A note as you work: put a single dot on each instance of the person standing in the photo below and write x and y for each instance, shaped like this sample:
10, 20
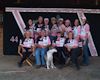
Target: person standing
76, 29
61, 26
46, 24
31, 27
85, 29
54, 29
39, 25
68, 27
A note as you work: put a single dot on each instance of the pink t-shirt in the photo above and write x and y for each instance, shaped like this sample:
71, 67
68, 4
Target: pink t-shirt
61, 27
28, 43
54, 30
72, 43
60, 42
76, 31
46, 41
84, 31
68, 29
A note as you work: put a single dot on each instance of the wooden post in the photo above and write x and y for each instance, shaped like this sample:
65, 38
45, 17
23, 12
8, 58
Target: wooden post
18, 1
78, 1
96, 2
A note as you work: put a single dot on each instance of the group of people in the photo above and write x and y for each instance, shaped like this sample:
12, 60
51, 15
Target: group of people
70, 41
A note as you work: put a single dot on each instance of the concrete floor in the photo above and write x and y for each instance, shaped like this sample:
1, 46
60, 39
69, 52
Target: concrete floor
10, 71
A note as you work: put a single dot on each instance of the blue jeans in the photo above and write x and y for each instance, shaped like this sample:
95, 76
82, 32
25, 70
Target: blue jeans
85, 54
39, 56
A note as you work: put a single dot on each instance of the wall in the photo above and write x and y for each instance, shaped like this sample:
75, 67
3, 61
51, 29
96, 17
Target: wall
1, 36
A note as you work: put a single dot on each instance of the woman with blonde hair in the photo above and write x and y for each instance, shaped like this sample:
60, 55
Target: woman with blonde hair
61, 25
54, 29
27, 46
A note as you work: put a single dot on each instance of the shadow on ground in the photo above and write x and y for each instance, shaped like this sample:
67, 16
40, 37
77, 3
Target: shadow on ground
10, 71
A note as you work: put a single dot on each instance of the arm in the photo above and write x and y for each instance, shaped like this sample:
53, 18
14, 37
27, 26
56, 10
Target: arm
48, 43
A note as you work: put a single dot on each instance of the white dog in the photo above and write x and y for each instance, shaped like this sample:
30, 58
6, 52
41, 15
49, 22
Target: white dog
49, 58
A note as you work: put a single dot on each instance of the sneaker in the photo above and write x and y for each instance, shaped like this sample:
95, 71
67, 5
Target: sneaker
78, 68
19, 64
60, 66
84, 64
43, 66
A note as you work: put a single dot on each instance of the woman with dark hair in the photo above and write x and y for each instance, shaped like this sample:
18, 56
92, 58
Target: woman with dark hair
31, 27
39, 25
73, 49
59, 45
76, 29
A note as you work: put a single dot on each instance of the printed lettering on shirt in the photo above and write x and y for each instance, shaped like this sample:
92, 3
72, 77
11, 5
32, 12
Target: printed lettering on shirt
60, 43
27, 43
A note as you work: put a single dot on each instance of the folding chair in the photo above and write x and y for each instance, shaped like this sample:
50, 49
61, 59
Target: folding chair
69, 57
79, 57
28, 60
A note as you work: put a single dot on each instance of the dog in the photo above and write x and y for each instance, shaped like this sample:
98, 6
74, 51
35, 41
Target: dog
49, 58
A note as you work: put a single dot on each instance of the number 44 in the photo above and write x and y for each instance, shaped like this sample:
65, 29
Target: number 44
14, 39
